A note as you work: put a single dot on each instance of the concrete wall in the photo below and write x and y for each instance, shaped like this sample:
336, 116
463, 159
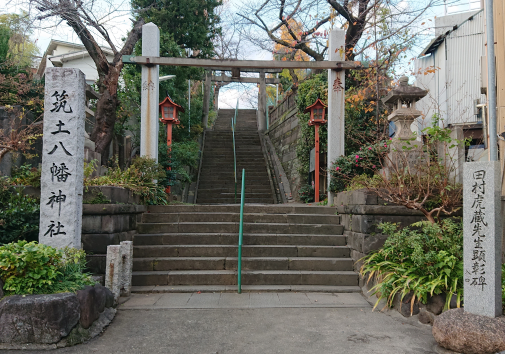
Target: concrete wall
284, 133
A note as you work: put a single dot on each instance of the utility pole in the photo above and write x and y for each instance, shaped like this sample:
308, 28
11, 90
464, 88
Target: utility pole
491, 82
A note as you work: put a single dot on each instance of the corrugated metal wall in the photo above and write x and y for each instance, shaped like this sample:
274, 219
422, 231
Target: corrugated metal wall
456, 82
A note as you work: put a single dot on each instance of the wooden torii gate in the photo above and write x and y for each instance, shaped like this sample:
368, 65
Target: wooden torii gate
262, 96
150, 61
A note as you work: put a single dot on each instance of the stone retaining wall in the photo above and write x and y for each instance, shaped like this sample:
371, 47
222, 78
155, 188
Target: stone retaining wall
361, 211
284, 133
104, 225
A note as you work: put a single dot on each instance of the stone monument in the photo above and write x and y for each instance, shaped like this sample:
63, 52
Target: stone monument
62, 158
482, 238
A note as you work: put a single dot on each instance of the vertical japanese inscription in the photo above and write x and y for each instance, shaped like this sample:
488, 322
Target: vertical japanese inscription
62, 159
477, 275
482, 238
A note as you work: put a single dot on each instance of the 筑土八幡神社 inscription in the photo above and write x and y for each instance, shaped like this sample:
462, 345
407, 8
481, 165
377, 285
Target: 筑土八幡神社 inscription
482, 238
62, 158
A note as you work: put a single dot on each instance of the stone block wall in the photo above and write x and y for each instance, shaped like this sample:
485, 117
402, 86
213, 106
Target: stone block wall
361, 211
104, 225
284, 133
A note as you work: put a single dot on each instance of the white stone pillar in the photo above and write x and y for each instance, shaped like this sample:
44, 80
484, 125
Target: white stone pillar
113, 270
206, 98
482, 238
127, 267
262, 103
336, 102
62, 158
150, 97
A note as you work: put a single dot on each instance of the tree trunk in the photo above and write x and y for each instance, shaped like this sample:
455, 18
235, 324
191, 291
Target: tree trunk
105, 114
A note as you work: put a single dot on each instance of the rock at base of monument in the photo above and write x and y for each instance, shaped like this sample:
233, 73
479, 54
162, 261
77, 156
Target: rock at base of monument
404, 306
92, 301
41, 319
426, 317
78, 334
464, 332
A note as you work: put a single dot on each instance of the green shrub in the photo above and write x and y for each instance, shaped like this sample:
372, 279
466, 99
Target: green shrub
19, 214
26, 175
139, 177
306, 193
32, 268
423, 260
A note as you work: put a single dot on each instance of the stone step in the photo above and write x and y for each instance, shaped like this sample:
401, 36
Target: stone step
249, 277
235, 217
232, 239
269, 228
248, 263
247, 251
291, 208
219, 201
245, 289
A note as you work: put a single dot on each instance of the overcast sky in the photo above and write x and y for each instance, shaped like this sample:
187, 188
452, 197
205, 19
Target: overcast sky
119, 23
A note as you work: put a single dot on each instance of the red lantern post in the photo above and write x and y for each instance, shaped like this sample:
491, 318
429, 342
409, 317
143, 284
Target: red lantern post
169, 115
317, 111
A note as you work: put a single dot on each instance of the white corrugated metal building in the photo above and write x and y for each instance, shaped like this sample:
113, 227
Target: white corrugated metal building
450, 68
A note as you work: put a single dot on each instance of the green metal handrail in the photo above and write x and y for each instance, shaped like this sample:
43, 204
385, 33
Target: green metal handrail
241, 233
233, 123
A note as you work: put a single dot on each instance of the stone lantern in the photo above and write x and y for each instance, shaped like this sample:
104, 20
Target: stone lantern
403, 102
317, 112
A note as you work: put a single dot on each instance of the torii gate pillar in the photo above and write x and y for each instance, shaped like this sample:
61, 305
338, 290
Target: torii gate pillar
336, 103
150, 93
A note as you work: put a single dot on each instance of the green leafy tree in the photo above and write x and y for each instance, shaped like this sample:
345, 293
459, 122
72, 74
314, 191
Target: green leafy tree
21, 50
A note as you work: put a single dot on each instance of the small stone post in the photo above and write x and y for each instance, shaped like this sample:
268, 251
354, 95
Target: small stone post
150, 96
62, 158
113, 268
126, 271
336, 103
482, 238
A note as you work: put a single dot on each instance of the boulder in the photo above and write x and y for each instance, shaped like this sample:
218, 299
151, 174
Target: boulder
88, 302
109, 298
41, 319
467, 333
404, 306
436, 304
101, 297
425, 316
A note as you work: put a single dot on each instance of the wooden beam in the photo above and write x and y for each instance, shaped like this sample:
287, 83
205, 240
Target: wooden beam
250, 80
242, 64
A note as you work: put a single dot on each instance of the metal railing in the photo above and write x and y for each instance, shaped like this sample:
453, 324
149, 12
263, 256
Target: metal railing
241, 233
233, 123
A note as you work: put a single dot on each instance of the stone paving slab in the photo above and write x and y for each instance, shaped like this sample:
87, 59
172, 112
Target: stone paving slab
243, 301
258, 331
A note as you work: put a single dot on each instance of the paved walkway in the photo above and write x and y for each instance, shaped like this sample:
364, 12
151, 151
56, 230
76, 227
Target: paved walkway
252, 323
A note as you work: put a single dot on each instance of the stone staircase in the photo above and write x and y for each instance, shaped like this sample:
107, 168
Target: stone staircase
217, 180
181, 248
